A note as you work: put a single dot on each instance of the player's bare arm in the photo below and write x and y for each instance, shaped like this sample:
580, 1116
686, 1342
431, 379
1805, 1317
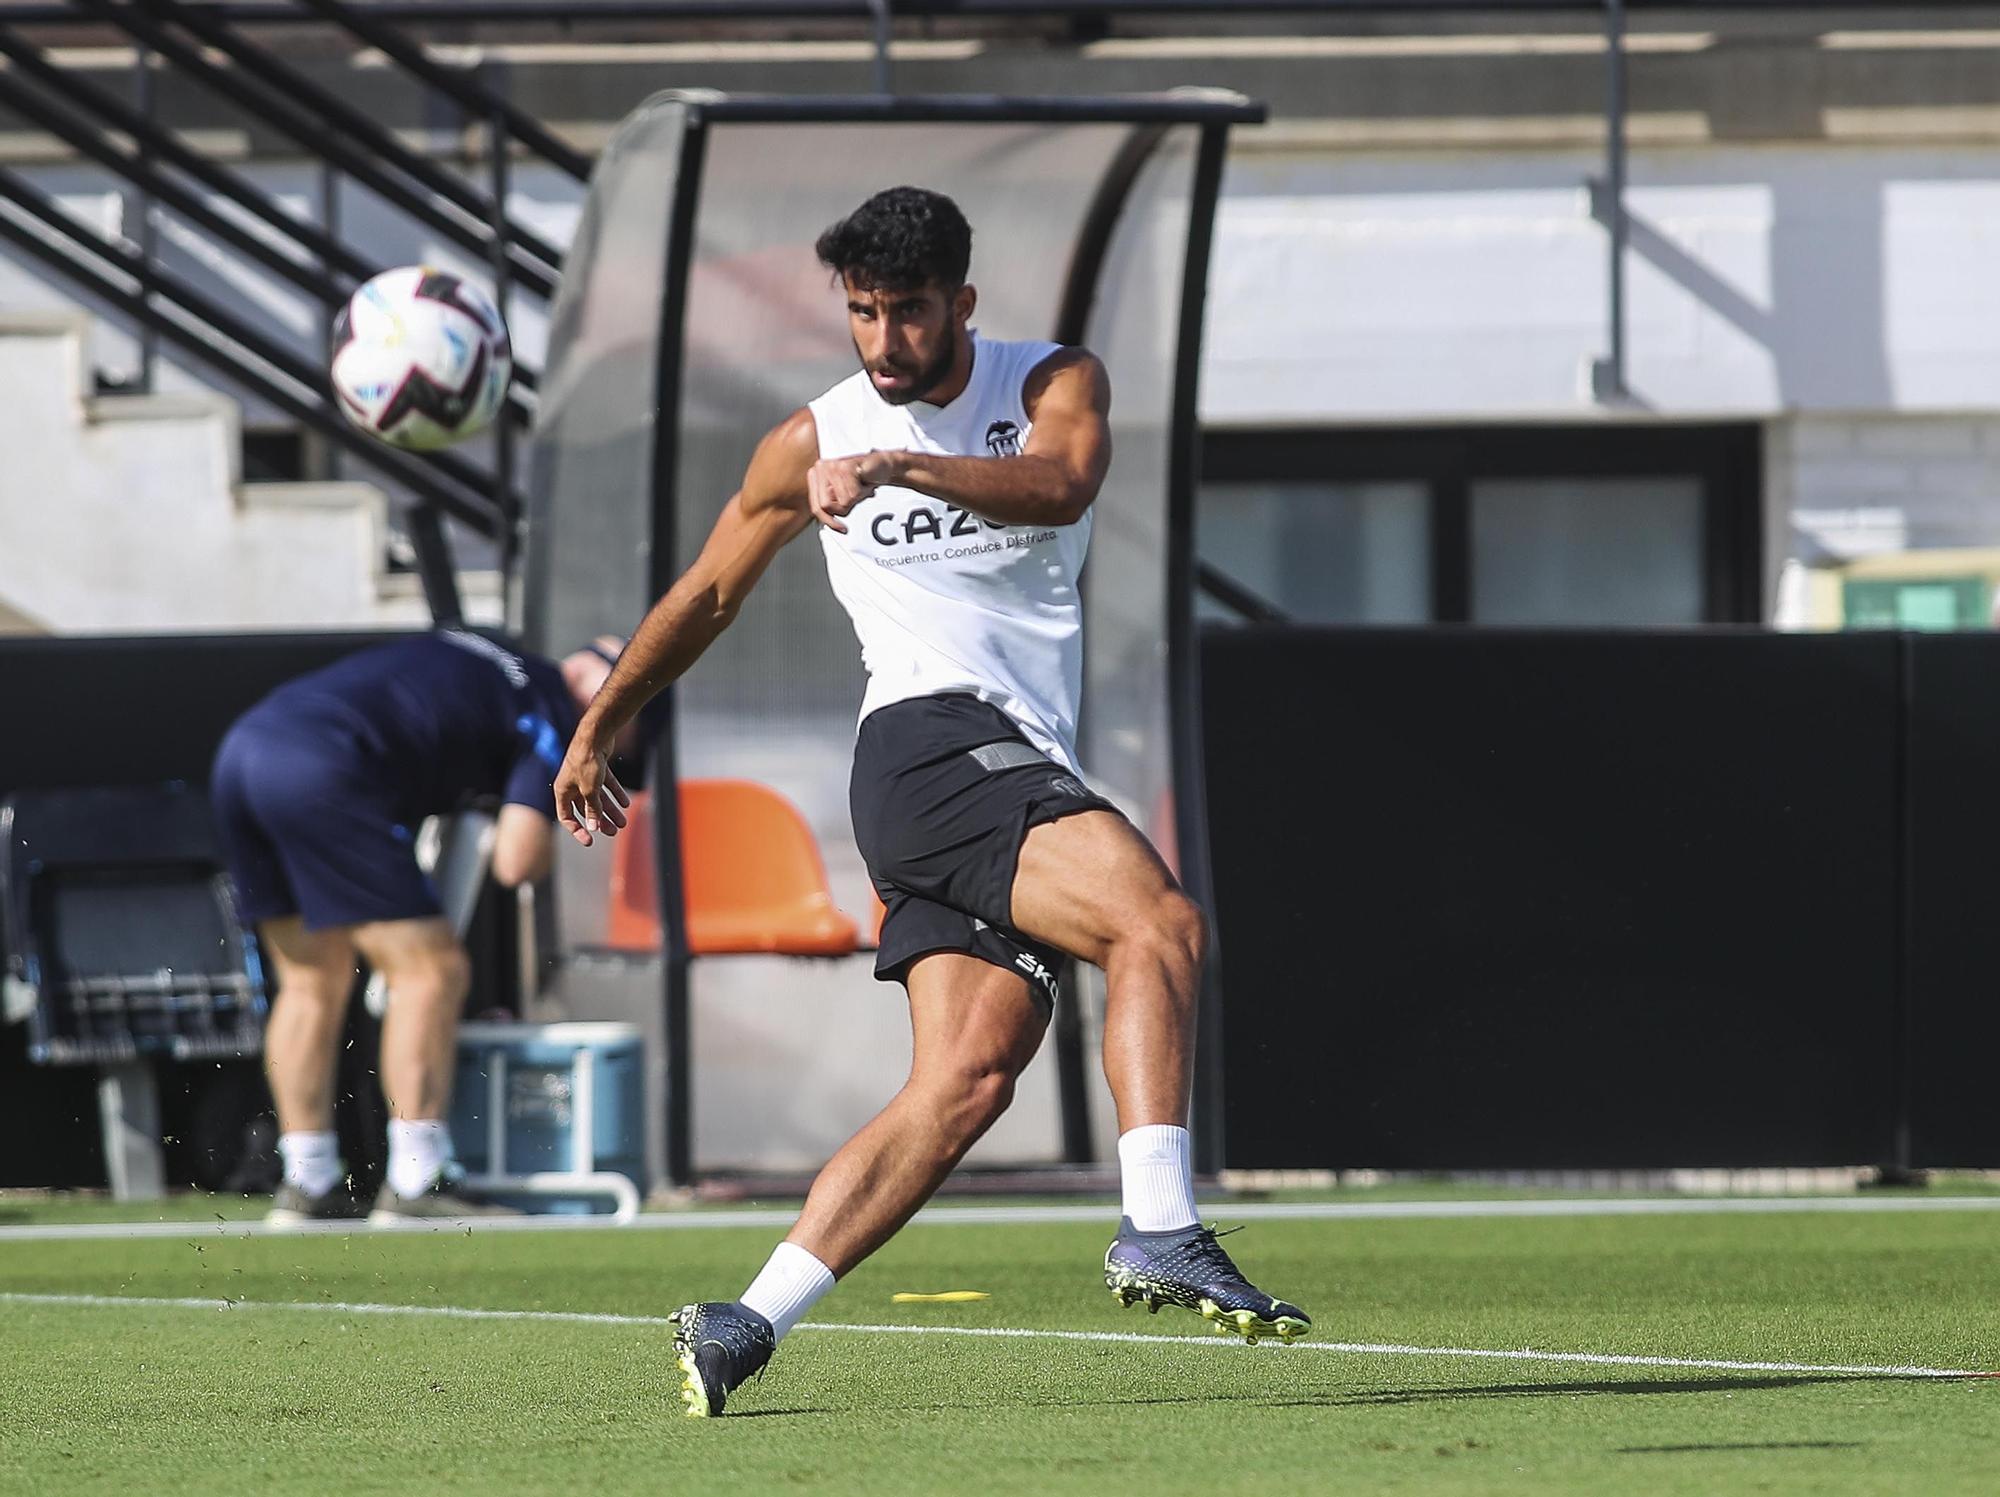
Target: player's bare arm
1051, 482
769, 510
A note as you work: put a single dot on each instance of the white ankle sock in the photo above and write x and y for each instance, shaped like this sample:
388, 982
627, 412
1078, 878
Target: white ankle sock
790, 1284
1158, 1178
312, 1161
418, 1153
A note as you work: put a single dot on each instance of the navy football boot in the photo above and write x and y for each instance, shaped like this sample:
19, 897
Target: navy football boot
1187, 1267
720, 1347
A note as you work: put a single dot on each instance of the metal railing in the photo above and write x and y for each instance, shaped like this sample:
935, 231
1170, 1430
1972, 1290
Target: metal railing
121, 275
575, 12
230, 211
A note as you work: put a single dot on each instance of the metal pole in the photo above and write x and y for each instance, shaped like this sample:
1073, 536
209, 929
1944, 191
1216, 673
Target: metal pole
675, 975
435, 568
1608, 383
503, 434
329, 222
1206, 1117
879, 9
149, 239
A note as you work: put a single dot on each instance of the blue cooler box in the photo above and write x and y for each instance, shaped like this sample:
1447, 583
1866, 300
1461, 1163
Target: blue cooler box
549, 1117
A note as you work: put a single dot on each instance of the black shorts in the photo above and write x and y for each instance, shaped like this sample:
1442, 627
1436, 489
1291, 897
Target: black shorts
945, 789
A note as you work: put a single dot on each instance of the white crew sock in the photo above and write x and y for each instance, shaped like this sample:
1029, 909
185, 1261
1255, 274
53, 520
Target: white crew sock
1154, 1167
418, 1153
312, 1161
790, 1284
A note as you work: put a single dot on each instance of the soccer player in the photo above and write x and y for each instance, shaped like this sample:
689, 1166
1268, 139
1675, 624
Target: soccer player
951, 479
317, 792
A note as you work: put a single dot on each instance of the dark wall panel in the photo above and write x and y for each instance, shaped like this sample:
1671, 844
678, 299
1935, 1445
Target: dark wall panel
136, 711
1562, 900
1954, 797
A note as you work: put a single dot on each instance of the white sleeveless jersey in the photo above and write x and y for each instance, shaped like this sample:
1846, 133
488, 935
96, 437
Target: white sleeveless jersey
942, 600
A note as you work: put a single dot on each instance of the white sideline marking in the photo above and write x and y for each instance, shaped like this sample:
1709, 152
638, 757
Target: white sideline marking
1351, 1348
1247, 1211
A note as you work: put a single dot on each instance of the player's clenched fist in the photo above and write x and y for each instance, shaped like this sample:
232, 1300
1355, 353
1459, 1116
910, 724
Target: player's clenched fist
589, 798
836, 484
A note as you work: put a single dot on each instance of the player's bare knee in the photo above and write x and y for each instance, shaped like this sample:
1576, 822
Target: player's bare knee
976, 1095
455, 973
990, 1096
1171, 929
1188, 927
320, 993
441, 976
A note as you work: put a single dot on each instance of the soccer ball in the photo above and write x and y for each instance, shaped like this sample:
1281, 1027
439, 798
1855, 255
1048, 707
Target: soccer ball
420, 358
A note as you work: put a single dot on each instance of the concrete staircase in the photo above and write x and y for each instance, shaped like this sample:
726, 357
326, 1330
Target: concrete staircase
127, 514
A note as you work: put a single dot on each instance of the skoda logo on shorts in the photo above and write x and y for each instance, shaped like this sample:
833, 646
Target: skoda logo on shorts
1037, 972
1003, 439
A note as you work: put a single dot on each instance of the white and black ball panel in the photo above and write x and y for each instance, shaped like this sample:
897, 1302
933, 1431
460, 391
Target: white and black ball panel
421, 358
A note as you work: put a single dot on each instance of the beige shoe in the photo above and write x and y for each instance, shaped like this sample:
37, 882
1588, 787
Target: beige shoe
292, 1207
442, 1202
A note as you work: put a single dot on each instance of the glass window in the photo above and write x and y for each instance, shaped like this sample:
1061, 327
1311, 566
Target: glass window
1323, 553
1587, 551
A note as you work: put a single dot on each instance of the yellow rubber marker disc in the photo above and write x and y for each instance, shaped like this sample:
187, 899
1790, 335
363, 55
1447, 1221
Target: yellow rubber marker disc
949, 1297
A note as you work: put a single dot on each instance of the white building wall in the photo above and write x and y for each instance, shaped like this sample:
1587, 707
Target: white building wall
1473, 285
1843, 296
1855, 483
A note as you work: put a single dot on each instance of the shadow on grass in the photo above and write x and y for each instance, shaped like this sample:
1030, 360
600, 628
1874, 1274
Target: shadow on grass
1756, 1445
1391, 1397
1624, 1387
735, 1414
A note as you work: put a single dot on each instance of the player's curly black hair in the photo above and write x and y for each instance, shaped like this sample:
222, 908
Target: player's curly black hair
900, 239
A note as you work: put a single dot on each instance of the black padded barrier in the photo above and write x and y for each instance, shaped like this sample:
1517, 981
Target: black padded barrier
1556, 900
1954, 899
133, 711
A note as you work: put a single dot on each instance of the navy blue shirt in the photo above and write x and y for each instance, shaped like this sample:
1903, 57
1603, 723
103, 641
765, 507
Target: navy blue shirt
441, 719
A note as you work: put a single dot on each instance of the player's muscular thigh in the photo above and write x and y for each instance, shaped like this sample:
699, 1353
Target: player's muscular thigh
1084, 881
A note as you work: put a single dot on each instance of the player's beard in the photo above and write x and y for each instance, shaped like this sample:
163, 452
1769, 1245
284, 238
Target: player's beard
925, 379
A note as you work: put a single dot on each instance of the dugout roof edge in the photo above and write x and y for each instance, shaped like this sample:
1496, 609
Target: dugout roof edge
1181, 106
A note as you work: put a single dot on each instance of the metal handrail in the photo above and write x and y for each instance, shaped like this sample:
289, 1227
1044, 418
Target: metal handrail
440, 583
189, 205
1244, 602
421, 518
81, 93
300, 90
576, 12
88, 105
357, 164
364, 23
309, 257
446, 481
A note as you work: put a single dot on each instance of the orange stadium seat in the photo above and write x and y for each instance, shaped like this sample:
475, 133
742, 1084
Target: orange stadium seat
754, 880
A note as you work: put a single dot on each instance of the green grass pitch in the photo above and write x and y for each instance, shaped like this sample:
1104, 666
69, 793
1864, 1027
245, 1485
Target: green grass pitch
133, 1399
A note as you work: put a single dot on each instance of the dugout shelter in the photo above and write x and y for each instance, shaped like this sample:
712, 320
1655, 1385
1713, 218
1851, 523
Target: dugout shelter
693, 316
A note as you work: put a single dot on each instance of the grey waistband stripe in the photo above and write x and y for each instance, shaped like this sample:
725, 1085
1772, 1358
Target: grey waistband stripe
1007, 755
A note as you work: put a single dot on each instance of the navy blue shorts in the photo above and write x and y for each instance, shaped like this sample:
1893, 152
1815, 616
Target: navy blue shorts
308, 830
945, 790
